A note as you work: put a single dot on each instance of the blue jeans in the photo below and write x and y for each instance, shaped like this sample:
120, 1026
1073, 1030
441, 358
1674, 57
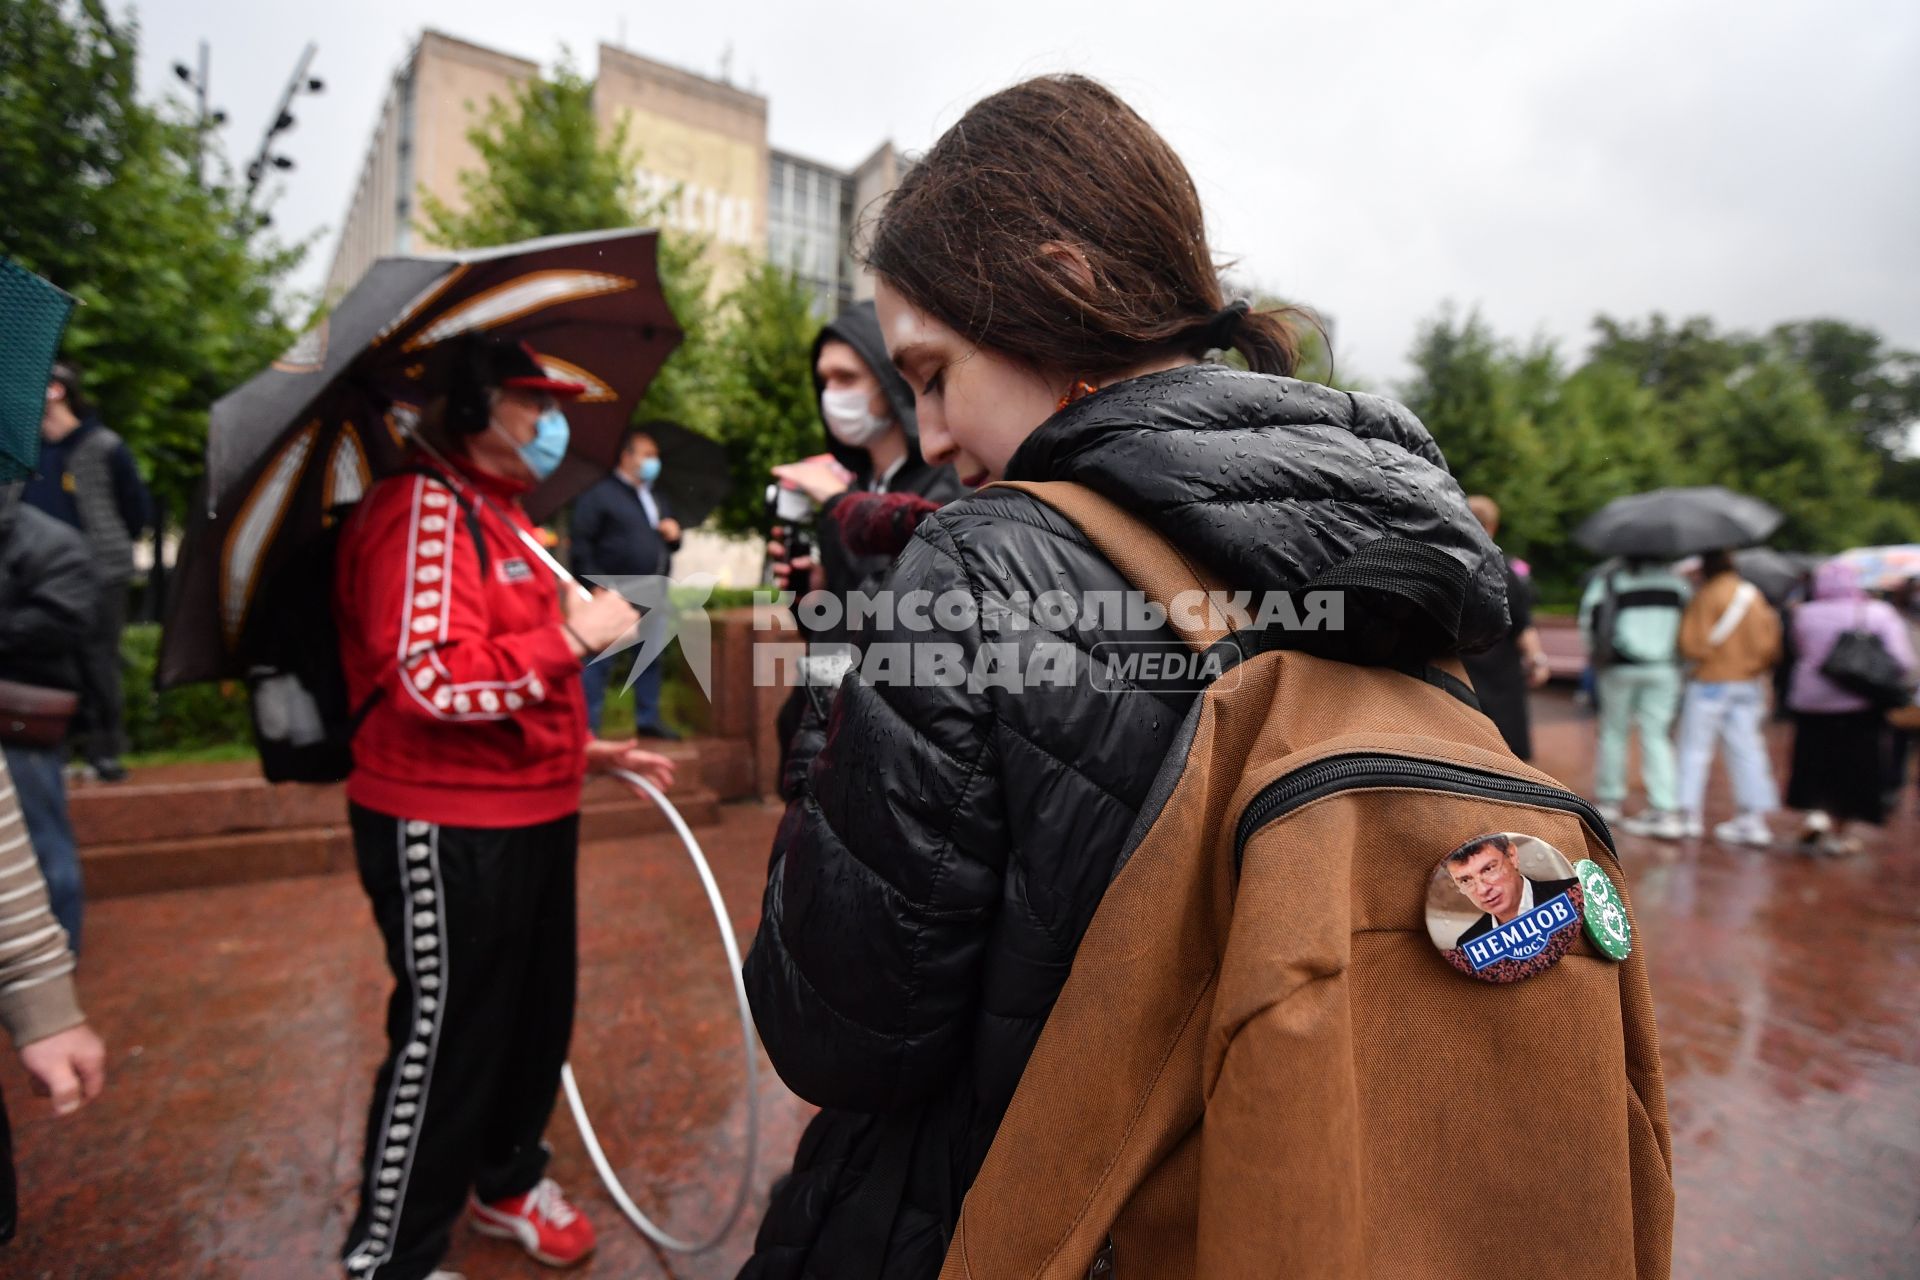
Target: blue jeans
1639, 697
1731, 713
594, 678
42, 789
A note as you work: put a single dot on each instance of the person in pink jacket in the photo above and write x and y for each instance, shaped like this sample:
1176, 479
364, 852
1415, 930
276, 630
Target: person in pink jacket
1838, 736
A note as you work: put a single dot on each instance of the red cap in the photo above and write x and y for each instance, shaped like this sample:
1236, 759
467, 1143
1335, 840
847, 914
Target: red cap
521, 370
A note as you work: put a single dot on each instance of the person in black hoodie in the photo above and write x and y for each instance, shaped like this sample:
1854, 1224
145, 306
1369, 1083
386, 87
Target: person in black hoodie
1046, 288
866, 410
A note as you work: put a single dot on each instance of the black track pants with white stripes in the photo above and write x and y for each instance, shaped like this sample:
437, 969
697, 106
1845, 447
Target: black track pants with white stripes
479, 927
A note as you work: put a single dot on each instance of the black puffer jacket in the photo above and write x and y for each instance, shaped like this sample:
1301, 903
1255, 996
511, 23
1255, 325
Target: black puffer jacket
930, 885
47, 595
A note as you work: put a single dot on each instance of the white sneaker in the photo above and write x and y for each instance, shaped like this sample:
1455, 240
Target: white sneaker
1813, 831
1610, 812
1748, 829
1692, 826
1657, 824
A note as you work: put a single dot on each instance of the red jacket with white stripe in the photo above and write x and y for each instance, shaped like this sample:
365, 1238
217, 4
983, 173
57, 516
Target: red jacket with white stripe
480, 721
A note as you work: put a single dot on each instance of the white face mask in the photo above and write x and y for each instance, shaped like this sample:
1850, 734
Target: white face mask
850, 418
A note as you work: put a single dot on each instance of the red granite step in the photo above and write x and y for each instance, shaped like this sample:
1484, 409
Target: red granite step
156, 866
188, 827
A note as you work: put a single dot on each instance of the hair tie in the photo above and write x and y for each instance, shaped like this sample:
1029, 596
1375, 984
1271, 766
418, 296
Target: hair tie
1217, 333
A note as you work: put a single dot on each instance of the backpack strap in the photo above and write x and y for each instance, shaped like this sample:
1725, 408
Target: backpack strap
468, 508
1427, 579
1140, 552
1736, 612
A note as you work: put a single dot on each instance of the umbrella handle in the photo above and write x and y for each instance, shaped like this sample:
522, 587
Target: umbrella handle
546, 558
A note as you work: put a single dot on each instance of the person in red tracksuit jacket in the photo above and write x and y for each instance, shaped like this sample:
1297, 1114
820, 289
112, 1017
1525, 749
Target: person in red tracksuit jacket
464, 800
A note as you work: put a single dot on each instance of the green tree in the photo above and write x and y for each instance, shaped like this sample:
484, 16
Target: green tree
1875, 389
766, 354
1484, 401
1670, 360
1767, 432
178, 282
544, 169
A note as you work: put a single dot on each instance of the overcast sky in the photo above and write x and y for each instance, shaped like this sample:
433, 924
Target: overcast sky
1542, 162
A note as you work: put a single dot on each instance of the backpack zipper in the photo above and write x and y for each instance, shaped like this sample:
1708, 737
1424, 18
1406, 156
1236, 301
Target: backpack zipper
1364, 769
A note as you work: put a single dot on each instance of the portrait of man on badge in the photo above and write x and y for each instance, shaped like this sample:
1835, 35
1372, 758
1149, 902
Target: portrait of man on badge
1491, 881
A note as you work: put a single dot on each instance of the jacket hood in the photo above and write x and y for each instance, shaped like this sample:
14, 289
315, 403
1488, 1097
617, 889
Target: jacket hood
859, 328
1838, 580
1270, 482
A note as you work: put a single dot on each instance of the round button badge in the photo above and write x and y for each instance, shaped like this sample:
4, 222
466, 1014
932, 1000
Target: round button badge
1505, 906
1606, 915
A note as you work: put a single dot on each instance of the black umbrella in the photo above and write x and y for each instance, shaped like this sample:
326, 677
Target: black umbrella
1669, 523
304, 438
1774, 572
693, 471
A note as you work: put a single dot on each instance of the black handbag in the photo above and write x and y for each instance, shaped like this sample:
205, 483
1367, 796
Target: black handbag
1860, 664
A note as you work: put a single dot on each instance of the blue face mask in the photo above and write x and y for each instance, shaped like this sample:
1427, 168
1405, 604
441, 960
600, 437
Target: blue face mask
549, 444
649, 470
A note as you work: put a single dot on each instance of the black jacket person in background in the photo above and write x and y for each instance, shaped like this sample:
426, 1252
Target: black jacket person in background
47, 596
866, 412
623, 527
1044, 281
88, 479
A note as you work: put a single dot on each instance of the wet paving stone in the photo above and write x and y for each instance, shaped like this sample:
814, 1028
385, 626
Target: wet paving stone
244, 1028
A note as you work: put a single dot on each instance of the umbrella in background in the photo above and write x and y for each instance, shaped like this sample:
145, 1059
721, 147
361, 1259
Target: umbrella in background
300, 441
33, 315
694, 477
1884, 568
1669, 523
1774, 572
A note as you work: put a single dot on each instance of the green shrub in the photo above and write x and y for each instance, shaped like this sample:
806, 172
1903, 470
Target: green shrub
190, 718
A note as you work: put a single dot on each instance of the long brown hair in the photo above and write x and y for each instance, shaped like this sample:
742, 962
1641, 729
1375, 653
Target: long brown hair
1053, 224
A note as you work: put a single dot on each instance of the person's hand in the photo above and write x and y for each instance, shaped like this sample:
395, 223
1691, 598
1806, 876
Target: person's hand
802, 574
68, 1066
598, 622
820, 478
669, 529
1538, 670
605, 755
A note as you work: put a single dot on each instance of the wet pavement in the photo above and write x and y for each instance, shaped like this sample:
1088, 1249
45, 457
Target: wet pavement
243, 1025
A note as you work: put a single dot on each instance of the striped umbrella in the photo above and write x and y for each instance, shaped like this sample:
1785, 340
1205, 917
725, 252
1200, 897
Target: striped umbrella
290, 450
1884, 568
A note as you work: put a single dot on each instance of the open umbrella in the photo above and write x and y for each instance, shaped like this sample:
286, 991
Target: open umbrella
299, 441
1668, 523
1884, 568
1774, 572
33, 315
694, 476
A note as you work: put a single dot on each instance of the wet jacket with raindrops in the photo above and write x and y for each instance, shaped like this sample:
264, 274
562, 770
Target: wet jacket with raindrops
937, 868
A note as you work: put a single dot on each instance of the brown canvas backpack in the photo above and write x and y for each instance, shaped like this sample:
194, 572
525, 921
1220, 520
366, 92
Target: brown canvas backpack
1262, 1065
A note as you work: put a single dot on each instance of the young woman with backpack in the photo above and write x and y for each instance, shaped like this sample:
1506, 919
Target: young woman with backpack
1046, 286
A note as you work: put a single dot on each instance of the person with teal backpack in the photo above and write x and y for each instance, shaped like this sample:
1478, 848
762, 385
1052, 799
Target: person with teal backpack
1630, 619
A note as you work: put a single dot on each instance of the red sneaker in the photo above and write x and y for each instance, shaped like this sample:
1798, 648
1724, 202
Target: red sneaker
547, 1227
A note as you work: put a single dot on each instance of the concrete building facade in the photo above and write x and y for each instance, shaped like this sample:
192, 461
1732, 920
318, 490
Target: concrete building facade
702, 152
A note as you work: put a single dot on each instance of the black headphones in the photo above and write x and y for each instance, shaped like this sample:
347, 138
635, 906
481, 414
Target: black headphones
467, 409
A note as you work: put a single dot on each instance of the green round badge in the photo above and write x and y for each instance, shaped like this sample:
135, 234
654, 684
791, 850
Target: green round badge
1606, 915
